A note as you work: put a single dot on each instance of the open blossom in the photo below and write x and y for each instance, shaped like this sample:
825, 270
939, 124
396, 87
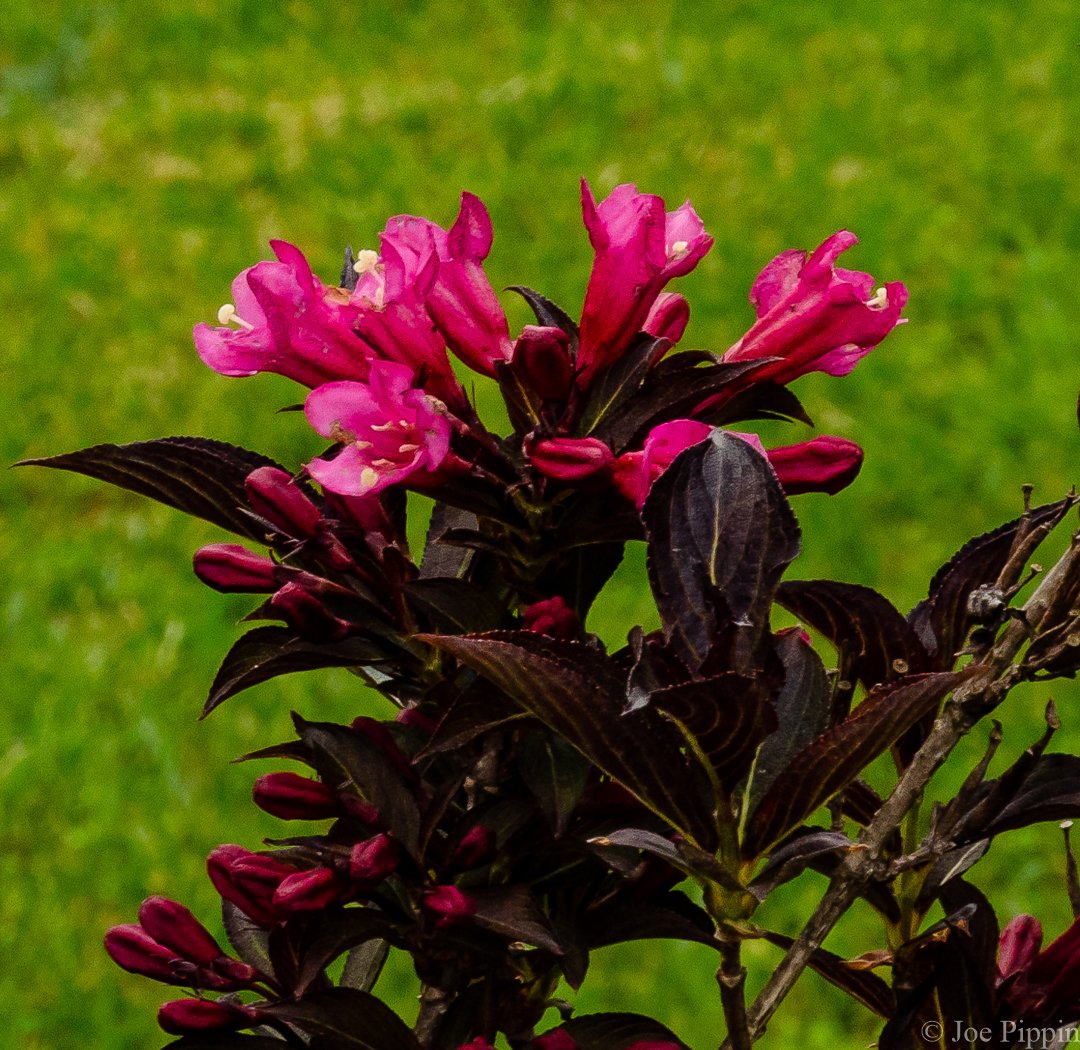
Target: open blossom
388, 431
822, 464
816, 316
639, 248
1039, 985
283, 319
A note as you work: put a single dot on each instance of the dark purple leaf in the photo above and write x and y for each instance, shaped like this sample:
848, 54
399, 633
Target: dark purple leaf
249, 941
364, 964
523, 405
759, 401
801, 715
512, 912
475, 712
617, 1031
555, 773
720, 535
620, 383
344, 756
942, 620
874, 641
859, 983
441, 558
838, 756
576, 691
679, 854
547, 313
670, 917
268, 652
1050, 791
347, 1019
454, 606
226, 1041
795, 855
343, 930
196, 475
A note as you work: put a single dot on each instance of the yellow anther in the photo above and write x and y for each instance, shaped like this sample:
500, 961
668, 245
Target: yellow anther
880, 299
382, 428
228, 315
366, 261
369, 478
678, 248
405, 449
383, 463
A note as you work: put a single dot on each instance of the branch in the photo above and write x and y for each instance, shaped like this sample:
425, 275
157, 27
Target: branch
992, 678
731, 978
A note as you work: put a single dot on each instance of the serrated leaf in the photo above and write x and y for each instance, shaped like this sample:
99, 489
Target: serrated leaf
942, 620
364, 964
720, 534
823, 768
801, 715
862, 985
454, 606
268, 652
873, 639
195, 475
249, 941
346, 929
347, 1019
619, 383
512, 912
577, 692
617, 1031
344, 756
555, 773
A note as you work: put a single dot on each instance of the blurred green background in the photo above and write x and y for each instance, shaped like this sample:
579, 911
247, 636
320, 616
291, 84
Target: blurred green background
148, 152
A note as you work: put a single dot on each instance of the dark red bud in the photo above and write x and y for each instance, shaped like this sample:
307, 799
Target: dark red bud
233, 569
307, 614
541, 357
174, 927
307, 890
373, 859
569, 459
134, 950
552, 617
823, 464
476, 847
248, 880
204, 1015
362, 811
293, 797
479, 1043
449, 905
556, 1039
274, 495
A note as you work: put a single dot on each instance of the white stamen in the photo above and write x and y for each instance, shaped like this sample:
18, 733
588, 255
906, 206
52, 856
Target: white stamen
880, 299
678, 248
382, 428
404, 449
363, 446
369, 478
366, 261
403, 423
228, 315
383, 463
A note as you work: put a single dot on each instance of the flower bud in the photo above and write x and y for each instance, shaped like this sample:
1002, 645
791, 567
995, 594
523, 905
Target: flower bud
173, 926
479, 1043
823, 464
274, 495
449, 905
556, 1039
307, 614
1019, 945
542, 359
307, 890
668, 317
476, 847
204, 1015
373, 859
569, 459
134, 950
552, 617
233, 569
248, 880
293, 797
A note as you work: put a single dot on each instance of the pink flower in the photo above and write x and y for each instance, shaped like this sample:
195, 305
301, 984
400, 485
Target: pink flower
668, 317
816, 316
638, 250
274, 495
283, 319
462, 302
390, 294
542, 357
823, 464
388, 430
1039, 985
552, 617
569, 459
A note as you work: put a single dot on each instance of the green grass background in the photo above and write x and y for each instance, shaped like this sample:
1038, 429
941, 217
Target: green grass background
148, 152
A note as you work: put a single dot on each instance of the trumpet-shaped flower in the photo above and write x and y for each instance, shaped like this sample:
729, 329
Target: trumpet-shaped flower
388, 431
639, 248
815, 316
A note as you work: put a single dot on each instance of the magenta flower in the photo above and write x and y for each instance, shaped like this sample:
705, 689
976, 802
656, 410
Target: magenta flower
569, 459
542, 357
816, 316
233, 569
373, 859
1039, 985
390, 293
388, 430
290, 796
274, 495
639, 248
668, 317
552, 617
461, 300
283, 319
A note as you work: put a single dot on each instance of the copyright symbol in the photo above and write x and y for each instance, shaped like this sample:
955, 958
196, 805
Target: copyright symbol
931, 1031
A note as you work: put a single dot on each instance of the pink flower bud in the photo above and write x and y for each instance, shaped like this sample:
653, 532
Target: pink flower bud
552, 617
570, 459
233, 569
134, 950
362, 811
373, 859
248, 880
542, 358
275, 496
307, 614
293, 797
668, 317
479, 1043
174, 927
204, 1015
307, 890
823, 464
449, 905
476, 847
556, 1039
1019, 945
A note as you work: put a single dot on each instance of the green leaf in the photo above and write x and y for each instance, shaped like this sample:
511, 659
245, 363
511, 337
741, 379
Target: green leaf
721, 534
196, 475
835, 758
268, 652
577, 692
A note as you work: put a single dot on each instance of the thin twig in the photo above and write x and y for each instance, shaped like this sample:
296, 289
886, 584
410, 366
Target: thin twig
731, 978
